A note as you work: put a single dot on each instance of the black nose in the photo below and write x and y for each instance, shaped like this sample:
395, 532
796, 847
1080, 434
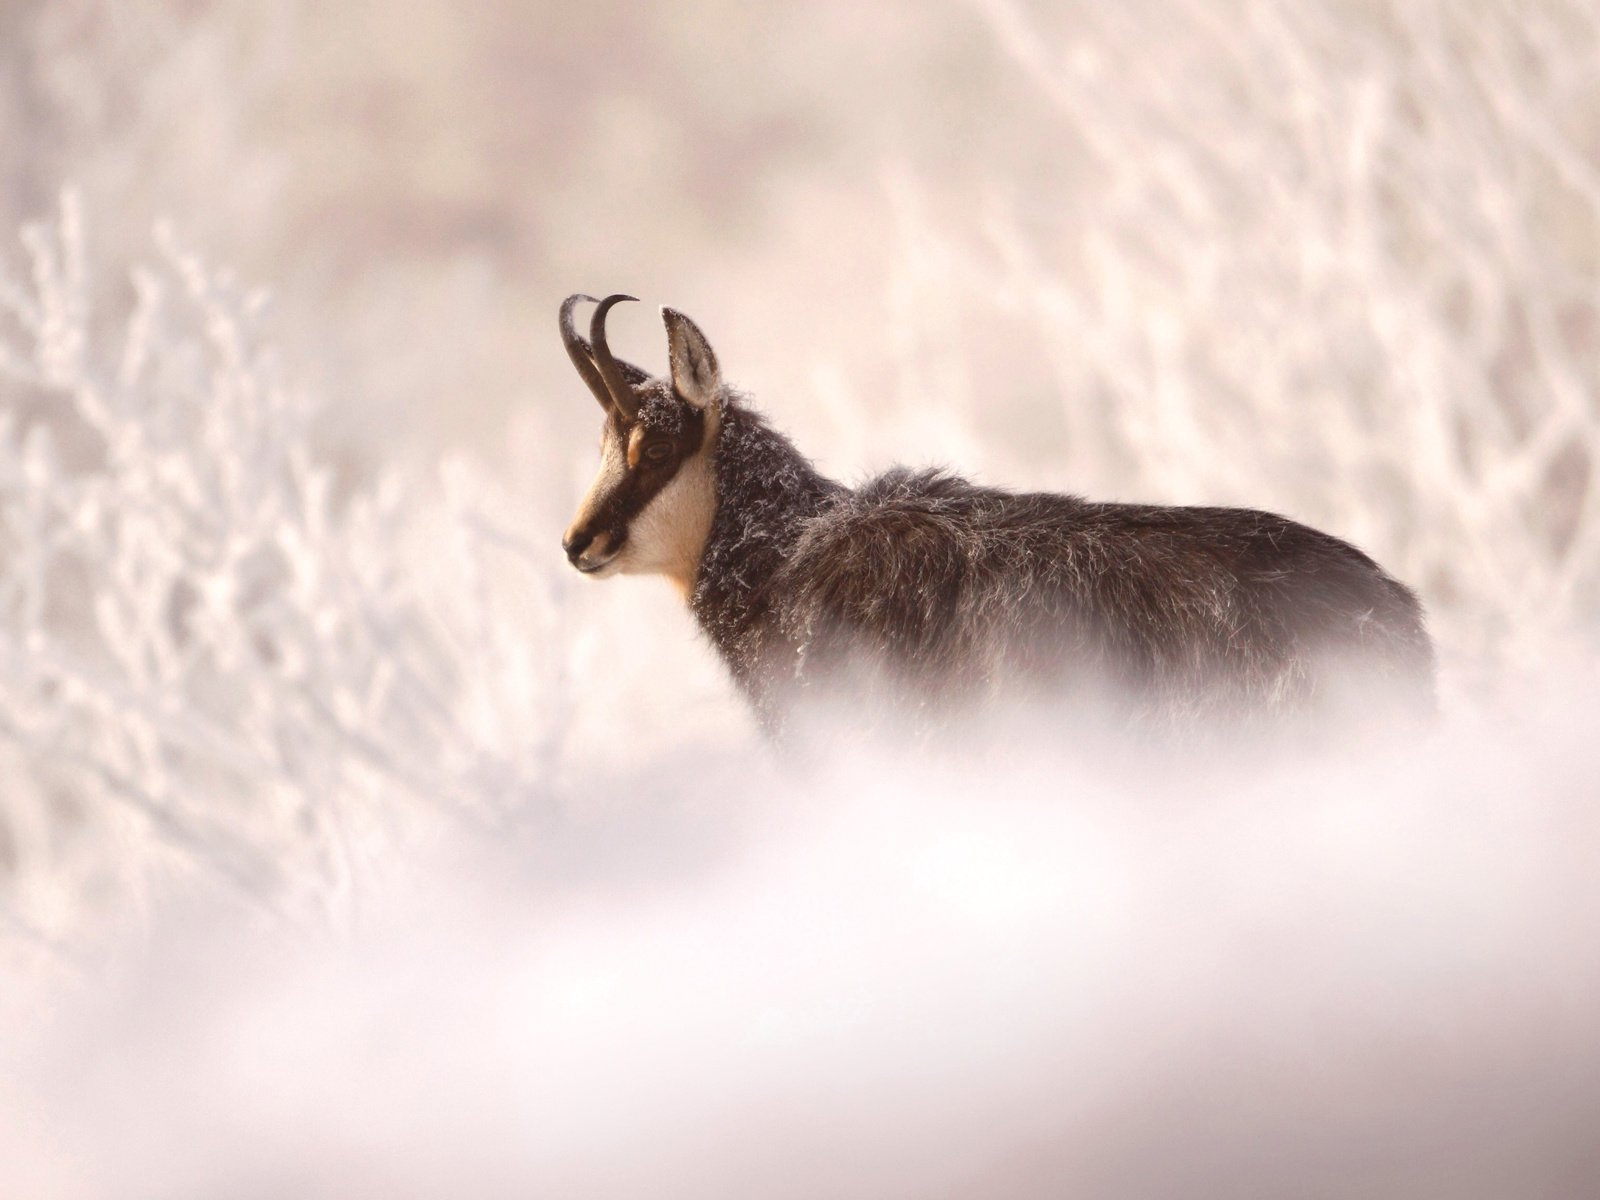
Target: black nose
575, 544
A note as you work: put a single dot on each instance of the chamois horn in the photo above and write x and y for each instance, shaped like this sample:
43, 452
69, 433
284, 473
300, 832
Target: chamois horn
578, 350
610, 370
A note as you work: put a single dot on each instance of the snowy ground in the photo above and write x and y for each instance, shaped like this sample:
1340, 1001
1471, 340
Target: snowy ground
1376, 979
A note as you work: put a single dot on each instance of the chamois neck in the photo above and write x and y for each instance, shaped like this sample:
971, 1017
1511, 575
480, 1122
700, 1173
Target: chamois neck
765, 491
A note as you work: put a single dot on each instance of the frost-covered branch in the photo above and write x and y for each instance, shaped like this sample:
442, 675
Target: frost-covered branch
216, 656
1334, 262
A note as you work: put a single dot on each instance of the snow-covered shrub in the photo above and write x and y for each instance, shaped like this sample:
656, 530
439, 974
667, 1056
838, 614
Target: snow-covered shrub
215, 654
1335, 259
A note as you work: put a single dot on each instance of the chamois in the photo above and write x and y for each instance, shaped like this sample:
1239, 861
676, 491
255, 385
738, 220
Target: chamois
934, 596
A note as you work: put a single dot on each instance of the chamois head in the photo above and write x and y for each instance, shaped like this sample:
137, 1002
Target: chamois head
650, 507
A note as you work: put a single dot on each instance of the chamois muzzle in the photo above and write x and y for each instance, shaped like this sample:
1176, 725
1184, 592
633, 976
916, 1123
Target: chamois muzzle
575, 544
589, 551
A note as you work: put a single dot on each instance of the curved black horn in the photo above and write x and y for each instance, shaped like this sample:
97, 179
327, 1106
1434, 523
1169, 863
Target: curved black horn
578, 350
615, 381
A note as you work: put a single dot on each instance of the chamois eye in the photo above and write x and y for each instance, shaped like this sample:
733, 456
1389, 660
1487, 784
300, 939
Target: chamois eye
658, 452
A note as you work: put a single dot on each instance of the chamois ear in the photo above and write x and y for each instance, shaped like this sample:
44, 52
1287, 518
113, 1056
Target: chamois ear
695, 376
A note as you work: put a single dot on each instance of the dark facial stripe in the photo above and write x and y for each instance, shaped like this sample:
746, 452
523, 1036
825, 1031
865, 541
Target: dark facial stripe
642, 482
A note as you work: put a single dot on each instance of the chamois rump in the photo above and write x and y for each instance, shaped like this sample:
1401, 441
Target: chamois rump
924, 596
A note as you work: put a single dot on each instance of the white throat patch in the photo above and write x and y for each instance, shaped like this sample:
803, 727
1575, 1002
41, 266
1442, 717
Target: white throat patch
669, 536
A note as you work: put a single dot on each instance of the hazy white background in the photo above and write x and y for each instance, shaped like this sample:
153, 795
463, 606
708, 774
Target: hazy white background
349, 844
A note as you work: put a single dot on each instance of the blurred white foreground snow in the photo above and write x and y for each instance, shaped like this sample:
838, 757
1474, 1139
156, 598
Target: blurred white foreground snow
1377, 978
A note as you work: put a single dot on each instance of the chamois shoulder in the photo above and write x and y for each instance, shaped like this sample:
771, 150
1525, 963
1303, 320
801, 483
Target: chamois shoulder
882, 578
902, 528
935, 497
897, 557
